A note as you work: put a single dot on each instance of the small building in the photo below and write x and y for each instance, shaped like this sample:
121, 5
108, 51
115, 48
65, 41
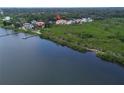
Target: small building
40, 24
74, 21
33, 22
77, 21
83, 20
7, 18
61, 22
27, 26
7, 21
69, 22
89, 19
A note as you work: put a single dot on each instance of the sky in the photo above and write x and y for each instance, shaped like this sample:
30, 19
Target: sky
61, 3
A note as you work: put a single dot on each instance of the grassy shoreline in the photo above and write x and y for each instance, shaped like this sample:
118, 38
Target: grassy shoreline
100, 54
96, 37
105, 42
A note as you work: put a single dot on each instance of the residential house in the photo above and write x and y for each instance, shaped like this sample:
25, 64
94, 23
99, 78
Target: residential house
83, 20
27, 26
7, 18
89, 19
33, 22
40, 24
7, 21
61, 22
69, 22
77, 21
74, 21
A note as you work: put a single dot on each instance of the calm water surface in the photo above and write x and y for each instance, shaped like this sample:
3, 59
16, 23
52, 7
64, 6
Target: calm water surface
39, 61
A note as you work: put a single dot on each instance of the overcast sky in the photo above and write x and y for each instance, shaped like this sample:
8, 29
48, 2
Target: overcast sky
61, 3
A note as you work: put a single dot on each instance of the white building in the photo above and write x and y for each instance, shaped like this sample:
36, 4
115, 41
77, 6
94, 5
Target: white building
27, 26
74, 21
70, 22
83, 20
7, 18
61, 22
89, 20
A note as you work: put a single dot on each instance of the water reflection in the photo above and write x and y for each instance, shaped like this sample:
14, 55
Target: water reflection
39, 61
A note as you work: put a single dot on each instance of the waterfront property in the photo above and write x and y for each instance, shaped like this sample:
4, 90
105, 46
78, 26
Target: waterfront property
78, 47
39, 61
105, 36
40, 24
27, 26
84, 34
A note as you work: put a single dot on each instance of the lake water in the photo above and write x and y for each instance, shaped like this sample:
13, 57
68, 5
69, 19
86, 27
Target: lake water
39, 61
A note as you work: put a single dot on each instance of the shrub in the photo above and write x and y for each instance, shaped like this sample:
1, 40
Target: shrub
86, 35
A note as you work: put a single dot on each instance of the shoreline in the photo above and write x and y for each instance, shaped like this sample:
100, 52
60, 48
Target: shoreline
102, 55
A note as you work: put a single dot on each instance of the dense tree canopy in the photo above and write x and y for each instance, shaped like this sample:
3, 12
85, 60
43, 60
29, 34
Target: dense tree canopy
50, 13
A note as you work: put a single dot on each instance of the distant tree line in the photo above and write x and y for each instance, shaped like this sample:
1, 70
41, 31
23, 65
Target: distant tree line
96, 13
